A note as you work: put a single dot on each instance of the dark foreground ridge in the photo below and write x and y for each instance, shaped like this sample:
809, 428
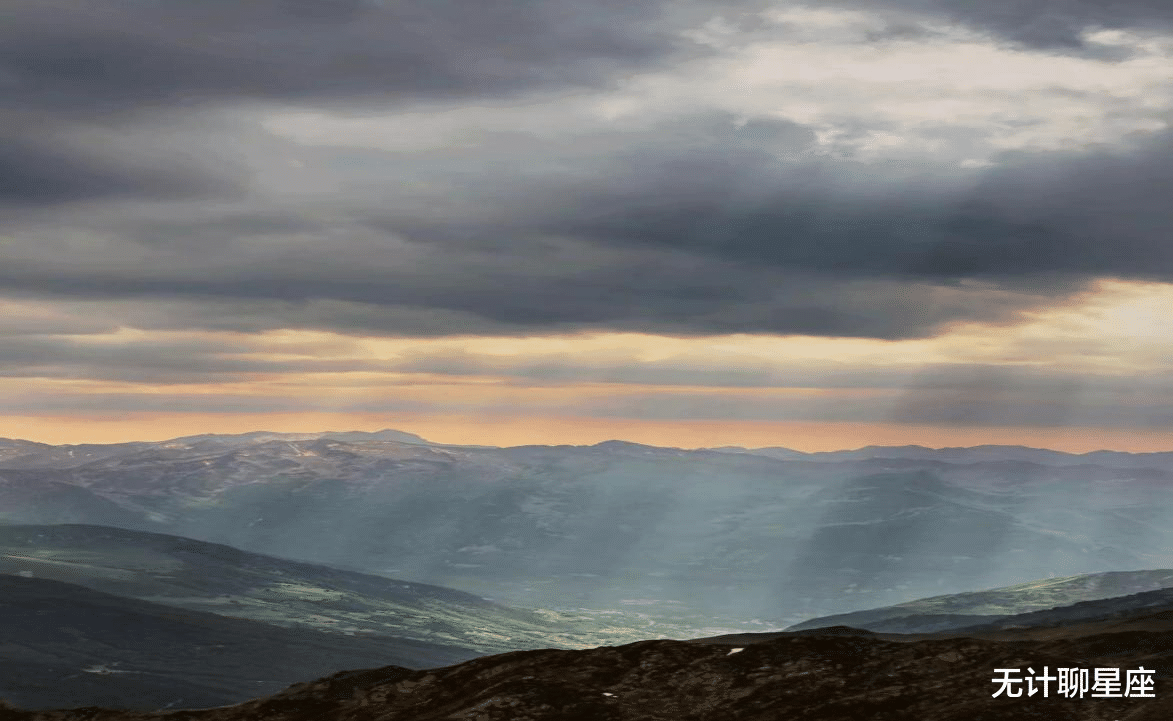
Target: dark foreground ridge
843, 675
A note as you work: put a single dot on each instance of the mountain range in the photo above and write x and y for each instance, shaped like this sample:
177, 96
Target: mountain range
208, 570
697, 539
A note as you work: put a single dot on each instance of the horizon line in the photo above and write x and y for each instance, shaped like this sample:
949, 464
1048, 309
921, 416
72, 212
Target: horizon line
591, 445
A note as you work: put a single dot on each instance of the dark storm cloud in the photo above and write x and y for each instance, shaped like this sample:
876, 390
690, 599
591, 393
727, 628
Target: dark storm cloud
66, 65
667, 293
1035, 214
693, 226
46, 172
217, 234
697, 225
691, 215
114, 55
1054, 25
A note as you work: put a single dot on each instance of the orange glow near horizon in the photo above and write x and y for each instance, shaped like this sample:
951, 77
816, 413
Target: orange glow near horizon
542, 430
580, 389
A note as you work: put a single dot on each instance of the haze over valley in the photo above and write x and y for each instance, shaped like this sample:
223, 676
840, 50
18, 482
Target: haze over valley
768, 536
838, 330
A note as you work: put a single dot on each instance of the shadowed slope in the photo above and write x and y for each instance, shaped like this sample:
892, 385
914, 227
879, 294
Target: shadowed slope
61, 645
210, 577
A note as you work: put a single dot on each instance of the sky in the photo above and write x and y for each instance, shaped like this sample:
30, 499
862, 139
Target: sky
817, 225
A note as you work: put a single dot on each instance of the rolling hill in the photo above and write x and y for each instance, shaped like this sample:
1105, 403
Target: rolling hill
206, 577
64, 645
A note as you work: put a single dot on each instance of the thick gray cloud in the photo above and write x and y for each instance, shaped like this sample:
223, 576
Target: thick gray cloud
697, 224
675, 294
692, 226
116, 55
47, 172
66, 65
1055, 25
1076, 214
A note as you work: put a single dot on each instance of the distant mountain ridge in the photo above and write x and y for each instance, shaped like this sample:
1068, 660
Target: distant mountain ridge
387, 434
954, 454
15, 453
663, 531
13, 448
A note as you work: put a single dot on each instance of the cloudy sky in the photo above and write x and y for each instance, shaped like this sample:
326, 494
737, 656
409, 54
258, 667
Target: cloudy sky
683, 222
